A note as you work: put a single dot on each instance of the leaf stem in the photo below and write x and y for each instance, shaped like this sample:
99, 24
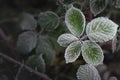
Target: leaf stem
45, 77
84, 37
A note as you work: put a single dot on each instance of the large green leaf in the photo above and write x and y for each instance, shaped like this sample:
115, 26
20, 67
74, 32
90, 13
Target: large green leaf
97, 6
87, 72
48, 20
27, 22
72, 52
92, 53
65, 39
44, 47
101, 29
36, 61
75, 21
26, 41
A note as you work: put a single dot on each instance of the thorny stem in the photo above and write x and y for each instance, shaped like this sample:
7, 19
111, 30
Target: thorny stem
45, 77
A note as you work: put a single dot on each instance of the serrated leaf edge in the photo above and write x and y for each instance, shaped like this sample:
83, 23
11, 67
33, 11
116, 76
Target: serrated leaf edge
67, 24
87, 61
76, 39
116, 26
66, 59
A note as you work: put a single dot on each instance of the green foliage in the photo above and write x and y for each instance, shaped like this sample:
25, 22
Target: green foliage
98, 30
92, 53
97, 6
27, 22
101, 29
33, 36
75, 21
44, 47
48, 20
87, 72
65, 39
26, 42
36, 62
72, 52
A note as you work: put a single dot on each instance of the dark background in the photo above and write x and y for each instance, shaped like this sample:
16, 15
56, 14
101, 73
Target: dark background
10, 9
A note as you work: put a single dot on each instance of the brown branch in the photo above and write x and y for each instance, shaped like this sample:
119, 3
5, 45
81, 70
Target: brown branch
45, 77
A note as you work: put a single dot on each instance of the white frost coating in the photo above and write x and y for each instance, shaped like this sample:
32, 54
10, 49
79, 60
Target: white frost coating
65, 39
87, 72
72, 52
88, 48
101, 29
96, 10
69, 26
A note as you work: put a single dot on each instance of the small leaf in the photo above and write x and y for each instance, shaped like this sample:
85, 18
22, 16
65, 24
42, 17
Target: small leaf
26, 42
72, 52
36, 61
101, 29
65, 39
75, 21
44, 47
48, 20
92, 53
97, 6
87, 72
27, 22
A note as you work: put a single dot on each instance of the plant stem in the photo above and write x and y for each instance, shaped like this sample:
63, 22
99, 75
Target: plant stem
45, 77
84, 37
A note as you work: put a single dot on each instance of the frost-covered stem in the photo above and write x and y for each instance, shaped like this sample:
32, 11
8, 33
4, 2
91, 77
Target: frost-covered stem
90, 13
45, 77
84, 37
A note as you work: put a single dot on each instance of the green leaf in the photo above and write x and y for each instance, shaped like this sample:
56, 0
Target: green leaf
27, 22
72, 52
65, 39
92, 53
44, 47
75, 21
87, 72
48, 20
26, 42
101, 29
97, 6
36, 61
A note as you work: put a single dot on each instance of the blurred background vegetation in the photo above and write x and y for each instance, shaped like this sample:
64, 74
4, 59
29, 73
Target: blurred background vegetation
28, 39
